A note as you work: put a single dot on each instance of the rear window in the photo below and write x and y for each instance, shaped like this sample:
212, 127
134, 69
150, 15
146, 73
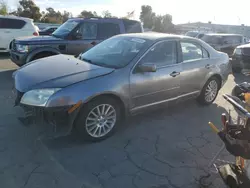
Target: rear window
107, 30
222, 39
232, 39
9, 23
132, 26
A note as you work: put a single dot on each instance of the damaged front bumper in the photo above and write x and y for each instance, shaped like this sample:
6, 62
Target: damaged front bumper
59, 119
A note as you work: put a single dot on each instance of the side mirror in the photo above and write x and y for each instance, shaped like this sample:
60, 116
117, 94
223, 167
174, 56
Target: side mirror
147, 67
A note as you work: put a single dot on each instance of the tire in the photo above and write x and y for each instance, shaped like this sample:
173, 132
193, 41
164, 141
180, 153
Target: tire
89, 115
202, 99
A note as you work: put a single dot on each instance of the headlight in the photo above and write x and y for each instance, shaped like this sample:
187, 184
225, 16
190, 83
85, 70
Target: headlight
237, 51
22, 48
38, 97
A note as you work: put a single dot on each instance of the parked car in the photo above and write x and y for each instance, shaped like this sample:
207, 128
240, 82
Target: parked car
12, 27
195, 34
224, 42
123, 75
73, 37
48, 30
241, 58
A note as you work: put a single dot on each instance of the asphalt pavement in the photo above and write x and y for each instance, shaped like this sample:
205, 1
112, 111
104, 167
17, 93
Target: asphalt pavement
166, 148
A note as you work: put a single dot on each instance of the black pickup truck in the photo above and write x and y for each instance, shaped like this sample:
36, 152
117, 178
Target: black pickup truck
75, 36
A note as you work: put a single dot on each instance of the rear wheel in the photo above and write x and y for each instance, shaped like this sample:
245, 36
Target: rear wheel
209, 91
98, 119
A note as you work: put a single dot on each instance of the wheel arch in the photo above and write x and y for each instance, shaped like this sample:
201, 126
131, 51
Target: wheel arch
41, 51
216, 75
113, 96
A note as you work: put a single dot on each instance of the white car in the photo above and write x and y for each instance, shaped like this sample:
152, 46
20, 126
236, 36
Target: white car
12, 27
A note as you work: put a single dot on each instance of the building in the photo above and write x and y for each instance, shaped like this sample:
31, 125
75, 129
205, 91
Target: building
216, 28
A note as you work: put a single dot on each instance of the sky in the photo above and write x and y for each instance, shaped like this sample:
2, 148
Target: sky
182, 11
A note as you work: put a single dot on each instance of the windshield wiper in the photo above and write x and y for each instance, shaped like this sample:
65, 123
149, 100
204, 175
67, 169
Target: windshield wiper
87, 60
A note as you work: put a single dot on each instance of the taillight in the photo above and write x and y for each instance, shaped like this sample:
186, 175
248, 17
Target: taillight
36, 33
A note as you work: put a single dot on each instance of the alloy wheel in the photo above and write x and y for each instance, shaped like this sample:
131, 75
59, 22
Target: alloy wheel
100, 120
211, 91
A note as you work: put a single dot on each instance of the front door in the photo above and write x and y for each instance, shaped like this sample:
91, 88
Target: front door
196, 65
84, 38
152, 88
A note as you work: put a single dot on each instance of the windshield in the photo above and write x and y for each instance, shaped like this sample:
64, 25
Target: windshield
65, 28
212, 39
115, 52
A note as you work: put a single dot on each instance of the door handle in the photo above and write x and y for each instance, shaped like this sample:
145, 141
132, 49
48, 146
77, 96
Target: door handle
208, 66
6, 31
174, 74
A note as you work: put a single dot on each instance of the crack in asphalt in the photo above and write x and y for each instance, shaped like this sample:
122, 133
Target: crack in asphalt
29, 175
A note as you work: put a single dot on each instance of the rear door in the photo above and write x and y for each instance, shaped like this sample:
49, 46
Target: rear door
9, 29
196, 64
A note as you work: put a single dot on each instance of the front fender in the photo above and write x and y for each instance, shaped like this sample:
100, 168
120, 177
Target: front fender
39, 50
86, 90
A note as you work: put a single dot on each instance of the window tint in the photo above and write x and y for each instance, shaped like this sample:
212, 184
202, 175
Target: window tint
205, 53
132, 26
106, 30
191, 51
232, 39
88, 30
6, 23
161, 54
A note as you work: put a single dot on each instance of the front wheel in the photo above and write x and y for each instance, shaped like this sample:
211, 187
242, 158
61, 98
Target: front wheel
98, 119
209, 91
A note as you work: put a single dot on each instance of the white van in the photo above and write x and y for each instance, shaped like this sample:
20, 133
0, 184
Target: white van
12, 27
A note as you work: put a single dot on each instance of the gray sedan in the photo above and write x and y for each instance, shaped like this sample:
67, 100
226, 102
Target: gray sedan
124, 75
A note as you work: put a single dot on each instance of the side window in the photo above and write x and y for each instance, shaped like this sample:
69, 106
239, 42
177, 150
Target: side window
191, 51
88, 30
106, 30
205, 53
6, 23
163, 53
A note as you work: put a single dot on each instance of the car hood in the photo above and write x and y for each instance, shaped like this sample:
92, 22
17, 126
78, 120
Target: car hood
56, 72
37, 40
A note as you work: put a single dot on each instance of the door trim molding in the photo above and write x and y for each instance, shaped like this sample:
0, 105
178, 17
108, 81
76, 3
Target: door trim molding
155, 92
164, 101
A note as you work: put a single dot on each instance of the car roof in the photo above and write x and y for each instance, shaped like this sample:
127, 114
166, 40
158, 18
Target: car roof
222, 34
99, 19
16, 17
157, 36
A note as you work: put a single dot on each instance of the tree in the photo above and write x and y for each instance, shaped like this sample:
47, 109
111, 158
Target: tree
66, 15
157, 23
3, 8
88, 14
106, 14
147, 16
28, 9
52, 16
167, 24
